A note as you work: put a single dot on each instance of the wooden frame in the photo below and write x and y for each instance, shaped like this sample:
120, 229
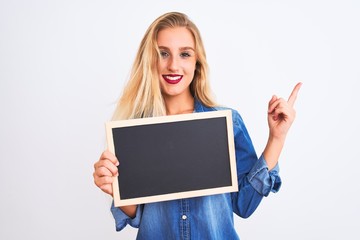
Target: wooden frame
208, 167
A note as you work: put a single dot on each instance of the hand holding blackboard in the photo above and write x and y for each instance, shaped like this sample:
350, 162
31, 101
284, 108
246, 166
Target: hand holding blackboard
172, 157
105, 171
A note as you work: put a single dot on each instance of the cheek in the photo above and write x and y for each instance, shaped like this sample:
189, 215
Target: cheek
190, 68
160, 66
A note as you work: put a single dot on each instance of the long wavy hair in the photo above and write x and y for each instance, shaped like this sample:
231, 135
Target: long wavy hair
142, 96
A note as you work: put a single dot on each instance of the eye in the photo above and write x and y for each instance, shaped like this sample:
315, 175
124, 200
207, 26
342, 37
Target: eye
164, 54
185, 54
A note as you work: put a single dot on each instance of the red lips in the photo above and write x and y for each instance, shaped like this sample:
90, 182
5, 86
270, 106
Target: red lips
172, 78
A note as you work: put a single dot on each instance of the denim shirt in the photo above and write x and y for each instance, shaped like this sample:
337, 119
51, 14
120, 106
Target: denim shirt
209, 217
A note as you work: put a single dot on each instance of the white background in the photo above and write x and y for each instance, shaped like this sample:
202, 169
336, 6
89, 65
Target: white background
63, 65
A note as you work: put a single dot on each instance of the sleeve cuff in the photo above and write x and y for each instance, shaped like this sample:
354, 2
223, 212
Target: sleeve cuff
262, 180
121, 219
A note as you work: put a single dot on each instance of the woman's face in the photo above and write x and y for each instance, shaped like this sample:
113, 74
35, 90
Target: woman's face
177, 61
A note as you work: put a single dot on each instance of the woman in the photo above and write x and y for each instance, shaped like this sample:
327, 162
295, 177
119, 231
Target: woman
169, 76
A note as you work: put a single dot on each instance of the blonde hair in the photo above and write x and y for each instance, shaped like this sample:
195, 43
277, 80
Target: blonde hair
142, 95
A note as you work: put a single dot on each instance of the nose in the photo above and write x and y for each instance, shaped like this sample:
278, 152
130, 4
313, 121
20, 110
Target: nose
173, 64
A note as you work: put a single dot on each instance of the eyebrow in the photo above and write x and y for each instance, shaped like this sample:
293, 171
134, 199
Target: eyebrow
181, 49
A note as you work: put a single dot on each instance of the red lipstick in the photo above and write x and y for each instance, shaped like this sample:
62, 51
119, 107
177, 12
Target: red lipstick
172, 78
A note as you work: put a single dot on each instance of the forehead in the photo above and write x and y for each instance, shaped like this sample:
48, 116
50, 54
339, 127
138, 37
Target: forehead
178, 37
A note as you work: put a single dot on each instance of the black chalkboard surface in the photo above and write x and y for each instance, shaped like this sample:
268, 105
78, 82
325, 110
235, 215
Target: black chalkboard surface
171, 157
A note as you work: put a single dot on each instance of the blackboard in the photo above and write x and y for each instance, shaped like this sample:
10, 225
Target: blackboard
172, 157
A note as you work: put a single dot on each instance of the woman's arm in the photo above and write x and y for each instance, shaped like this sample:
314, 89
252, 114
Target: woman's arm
259, 177
281, 115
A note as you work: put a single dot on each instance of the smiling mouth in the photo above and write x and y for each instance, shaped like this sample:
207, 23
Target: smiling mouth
172, 78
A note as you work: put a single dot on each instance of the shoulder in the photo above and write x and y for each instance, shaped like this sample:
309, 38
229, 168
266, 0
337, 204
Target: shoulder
236, 117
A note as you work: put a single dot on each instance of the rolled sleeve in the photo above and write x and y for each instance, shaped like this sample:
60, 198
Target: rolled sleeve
121, 219
262, 180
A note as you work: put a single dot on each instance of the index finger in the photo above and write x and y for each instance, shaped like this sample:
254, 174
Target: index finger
294, 93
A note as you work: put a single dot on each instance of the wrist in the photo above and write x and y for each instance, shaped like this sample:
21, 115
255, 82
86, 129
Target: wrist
273, 150
279, 138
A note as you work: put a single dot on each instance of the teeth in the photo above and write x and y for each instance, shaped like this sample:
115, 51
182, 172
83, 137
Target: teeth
173, 78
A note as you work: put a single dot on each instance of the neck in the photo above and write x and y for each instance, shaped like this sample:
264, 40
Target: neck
179, 105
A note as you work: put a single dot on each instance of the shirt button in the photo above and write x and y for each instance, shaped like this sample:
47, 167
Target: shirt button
184, 217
